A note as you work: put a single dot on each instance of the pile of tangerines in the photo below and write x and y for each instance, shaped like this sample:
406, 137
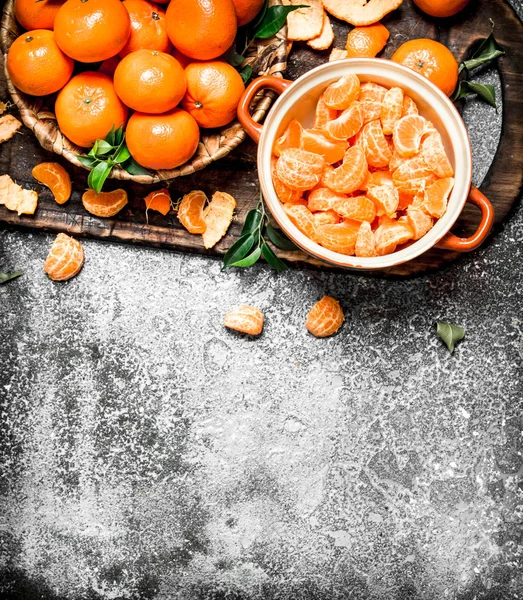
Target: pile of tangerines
160, 74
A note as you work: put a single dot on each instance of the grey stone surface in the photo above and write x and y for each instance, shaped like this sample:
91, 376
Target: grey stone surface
147, 452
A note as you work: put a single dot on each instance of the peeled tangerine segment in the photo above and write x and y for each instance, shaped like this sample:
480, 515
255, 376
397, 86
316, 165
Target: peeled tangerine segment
377, 148
315, 141
391, 109
190, 211
436, 197
244, 318
408, 132
371, 96
104, 204
14, 197
302, 218
365, 242
342, 93
434, 154
284, 193
358, 208
56, 178
347, 124
340, 237
419, 221
324, 199
411, 175
409, 106
327, 217
325, 317
217, 217
350, 175
291, 138
323, 114
299, 169
389, 235
386, 199
65, 259
159, 200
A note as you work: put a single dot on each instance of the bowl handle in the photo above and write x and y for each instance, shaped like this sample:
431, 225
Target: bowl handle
244, 116
452, 242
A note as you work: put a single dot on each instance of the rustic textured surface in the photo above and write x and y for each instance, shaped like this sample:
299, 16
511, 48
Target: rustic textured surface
146, 452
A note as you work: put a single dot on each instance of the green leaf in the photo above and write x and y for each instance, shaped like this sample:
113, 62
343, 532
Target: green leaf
132, 167
488, 50
467, 88
249, 260
238, 250
98, 176
118, 136
5, 277
88, 161
450, 334
279, 239
122, 154
271, 258
246, 73
274, 20
252, 221
103, 148
110, 137
93, 151
261, 16
233, 58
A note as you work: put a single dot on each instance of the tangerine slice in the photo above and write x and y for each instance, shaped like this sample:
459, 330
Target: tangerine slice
389, 235
365, 242
104, 204
323, 114
436, 197
325, 317
217, 216
299, 169
380, 178
396, 160
190, 212
342, 93
291, 138
284, 193
160, 200
56, 178
324, 199
65, 259
377, 148
327, 217
371, 96
358, 208
419, 221
350, 175
244, 318
339, 237
391, 109
409, 106
434, 154
314, 141
347, 124
408, 132
411, 175
386, 199
302, 218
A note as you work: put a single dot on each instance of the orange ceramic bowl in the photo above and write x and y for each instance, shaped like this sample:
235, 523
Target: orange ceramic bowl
298, 100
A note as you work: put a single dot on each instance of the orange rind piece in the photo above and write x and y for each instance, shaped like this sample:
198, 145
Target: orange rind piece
360, 12
371, 96
9, 125
304, 23
352, 174
315, 141
339, 237
357, 208
299, 169
291, 138
159, 200
65, 259
217, 216
104, 204
56, 178
302, 218
14, 197
434, 154
408, 133
376, 146
327, 217
190, 212
419, 222
385, 198
245, 319
436, 197
366, 41
326, 37
323, 114
325, 317
347, 124
323, 198
389, 235
365, 242
342, 93
391, 109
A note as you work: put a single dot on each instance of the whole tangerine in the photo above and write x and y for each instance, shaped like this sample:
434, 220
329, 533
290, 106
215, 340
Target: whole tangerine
430, 59
36, 64
163, 141
87, 107
92, 30
37, 15
246, 10
441, 8
150, 81
148, 27
213, 92
201, 29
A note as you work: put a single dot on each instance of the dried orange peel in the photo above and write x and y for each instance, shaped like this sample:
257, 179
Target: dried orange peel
304, 23
217, 216
16, 198
361, 12
326, 37
9, 125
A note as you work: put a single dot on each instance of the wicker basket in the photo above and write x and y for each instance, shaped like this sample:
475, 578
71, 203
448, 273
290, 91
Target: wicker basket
266, 57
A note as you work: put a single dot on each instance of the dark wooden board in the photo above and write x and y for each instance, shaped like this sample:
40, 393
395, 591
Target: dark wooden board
237, 174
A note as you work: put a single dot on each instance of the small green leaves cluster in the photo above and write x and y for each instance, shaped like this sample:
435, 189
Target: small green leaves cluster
5, 277
487, 51
106, 154
450, 334
252, 243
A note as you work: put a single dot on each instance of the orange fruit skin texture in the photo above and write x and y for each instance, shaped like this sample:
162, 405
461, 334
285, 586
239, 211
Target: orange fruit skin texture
36, 64
246, 10
214, 90
56, 178
87, 107
104, 204
441, 8
430, 59
148, 28
65, 259
150, 81
92, 30
201, 29
163, 141
367, 41
325, 317
245, 319
37, 15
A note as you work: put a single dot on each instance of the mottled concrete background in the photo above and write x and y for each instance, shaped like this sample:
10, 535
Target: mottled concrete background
146, 452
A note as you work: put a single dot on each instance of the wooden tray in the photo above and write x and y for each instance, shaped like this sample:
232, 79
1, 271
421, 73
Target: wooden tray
236, 173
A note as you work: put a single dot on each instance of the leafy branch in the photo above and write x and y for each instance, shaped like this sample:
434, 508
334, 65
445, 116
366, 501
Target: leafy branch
252, 243
487, 51
106, 154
